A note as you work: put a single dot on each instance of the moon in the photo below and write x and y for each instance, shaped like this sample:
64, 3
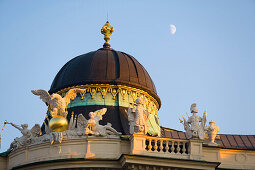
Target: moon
172, 29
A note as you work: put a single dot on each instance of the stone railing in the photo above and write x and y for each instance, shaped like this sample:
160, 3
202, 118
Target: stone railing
166, 147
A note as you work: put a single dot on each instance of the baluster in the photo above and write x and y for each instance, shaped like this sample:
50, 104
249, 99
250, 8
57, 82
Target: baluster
155, 145
167, 147
146, 144
161, 145
178, 147
172, 147
183, 148
149, 145
187, 148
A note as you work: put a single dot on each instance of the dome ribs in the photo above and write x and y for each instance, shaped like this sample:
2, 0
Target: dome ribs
132, 69
98, 66
104, 66
139, 70
149, 82
111, 71
123, 67
82, 67
146, 78
116, 65
58, 80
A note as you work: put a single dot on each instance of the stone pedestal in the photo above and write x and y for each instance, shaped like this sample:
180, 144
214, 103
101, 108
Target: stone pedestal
195, 149
137, 143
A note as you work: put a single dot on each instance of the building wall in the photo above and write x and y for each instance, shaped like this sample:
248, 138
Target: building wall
230, 158
3, 163
114, 153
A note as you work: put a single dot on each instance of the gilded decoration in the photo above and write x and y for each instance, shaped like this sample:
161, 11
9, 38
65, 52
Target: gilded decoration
124, 92
57, 106
107, 31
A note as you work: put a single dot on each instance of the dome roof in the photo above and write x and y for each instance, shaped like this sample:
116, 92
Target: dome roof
104, 66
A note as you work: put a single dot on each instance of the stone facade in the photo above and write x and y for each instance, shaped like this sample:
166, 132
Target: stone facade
131, 152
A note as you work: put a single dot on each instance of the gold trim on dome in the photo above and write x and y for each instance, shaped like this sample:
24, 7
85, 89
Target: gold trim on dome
114, 90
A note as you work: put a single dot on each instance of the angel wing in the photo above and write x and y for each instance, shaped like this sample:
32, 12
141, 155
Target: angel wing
99, 114
71, 94
44, 95
36, 130
81, 121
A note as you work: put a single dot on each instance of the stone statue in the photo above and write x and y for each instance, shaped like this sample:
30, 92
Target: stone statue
82, 123
72, 122
138, 118
212, 131
29, 136
56, 137
195, 125
57, 104
131, 120
84, 127
94, 128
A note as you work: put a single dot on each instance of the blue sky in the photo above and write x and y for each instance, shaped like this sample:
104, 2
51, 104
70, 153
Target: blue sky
209, 61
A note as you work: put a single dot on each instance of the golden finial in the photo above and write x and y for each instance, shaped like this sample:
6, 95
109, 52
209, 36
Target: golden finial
107, 30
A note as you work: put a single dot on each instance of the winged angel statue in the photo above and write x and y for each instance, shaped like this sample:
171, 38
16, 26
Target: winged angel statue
92, 126
57, 104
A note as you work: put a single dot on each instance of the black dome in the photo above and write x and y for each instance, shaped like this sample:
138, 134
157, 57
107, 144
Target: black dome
104, 66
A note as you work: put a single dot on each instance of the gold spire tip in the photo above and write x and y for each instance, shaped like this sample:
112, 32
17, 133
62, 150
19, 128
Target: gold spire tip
107, 30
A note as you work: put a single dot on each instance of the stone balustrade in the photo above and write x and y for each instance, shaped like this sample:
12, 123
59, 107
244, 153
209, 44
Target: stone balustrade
166, 145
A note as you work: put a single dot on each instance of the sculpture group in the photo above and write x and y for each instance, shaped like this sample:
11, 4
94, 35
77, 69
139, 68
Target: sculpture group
77, 127
196, 128
80, 127
29, 135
